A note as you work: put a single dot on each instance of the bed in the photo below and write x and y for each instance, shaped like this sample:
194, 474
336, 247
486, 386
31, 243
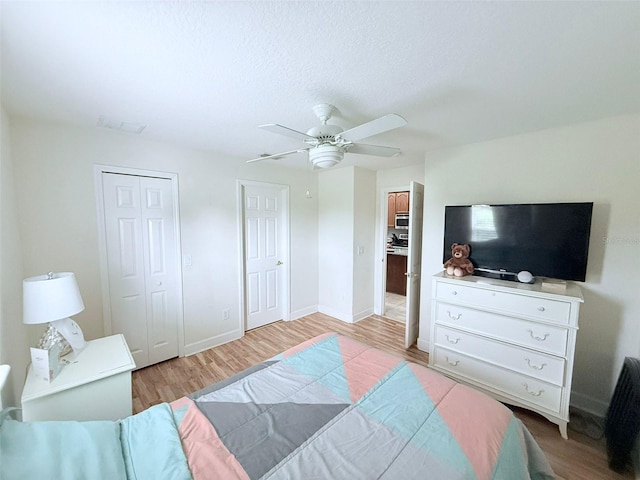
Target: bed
329, 408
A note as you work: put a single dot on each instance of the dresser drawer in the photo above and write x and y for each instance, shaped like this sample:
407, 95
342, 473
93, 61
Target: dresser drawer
544, 337
535, 364
527, 389
509, 303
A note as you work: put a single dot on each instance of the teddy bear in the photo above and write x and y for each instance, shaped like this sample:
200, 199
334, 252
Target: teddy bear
459, 263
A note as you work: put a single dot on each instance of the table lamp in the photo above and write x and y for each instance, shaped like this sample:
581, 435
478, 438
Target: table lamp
53, 298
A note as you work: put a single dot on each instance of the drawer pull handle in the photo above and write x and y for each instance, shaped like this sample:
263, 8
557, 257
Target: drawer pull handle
535, 367
540, 339
453, 364
454, 317
454, 293
526, 387
541, 309
450, 340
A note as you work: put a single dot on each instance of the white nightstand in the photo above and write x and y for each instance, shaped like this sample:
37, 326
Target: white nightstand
95, 386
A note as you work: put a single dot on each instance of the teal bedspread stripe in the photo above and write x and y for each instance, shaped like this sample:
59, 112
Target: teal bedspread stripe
145, 446
151, 446
60, 450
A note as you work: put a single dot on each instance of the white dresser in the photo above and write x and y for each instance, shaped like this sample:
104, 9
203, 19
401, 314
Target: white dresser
95, 386
512, 340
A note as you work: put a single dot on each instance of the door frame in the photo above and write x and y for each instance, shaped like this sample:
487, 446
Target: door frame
98, 170
416, 216
381, 248
285, 245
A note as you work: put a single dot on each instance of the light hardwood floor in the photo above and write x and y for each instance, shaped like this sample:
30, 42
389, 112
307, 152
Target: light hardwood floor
580, 457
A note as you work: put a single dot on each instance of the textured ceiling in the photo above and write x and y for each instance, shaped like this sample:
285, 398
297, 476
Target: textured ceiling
205, 74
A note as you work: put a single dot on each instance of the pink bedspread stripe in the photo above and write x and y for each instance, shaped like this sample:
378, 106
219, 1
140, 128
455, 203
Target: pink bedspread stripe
205, 451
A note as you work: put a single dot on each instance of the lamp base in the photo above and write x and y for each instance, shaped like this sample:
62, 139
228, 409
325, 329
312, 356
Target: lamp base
51, 337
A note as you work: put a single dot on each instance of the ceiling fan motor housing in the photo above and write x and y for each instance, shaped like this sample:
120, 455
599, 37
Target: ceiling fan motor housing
324, 133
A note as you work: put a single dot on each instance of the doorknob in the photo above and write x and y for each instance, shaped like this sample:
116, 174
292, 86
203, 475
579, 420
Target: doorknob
279, 263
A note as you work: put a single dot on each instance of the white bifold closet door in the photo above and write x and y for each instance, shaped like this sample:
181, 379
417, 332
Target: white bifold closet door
142, 264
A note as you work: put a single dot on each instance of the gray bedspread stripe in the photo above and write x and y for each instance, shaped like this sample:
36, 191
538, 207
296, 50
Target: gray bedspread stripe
228, 381
261, 435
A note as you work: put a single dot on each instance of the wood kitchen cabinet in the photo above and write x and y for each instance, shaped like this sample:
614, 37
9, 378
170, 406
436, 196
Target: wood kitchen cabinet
391, 210
397, 202
402, 202
396, 278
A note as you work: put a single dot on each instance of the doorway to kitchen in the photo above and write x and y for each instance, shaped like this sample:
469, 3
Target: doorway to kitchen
396, 251
401, 223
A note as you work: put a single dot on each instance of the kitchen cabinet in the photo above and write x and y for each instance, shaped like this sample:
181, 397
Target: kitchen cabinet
397, 202
396, 278
402, 202
391, 210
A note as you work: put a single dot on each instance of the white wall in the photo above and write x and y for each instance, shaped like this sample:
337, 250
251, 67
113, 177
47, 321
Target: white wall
335, 242
346, 224
596, 161
14, 335
364, 242
58, 222
399, 177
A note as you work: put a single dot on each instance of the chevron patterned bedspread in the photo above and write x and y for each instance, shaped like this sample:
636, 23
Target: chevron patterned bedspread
334, 408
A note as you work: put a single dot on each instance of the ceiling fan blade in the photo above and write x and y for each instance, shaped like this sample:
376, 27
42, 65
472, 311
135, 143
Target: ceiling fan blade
374, 127
289, 132
276, 155
374, 150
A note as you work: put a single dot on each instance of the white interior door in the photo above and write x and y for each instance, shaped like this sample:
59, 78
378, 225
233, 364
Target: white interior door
414, 262
142, 264
264, 254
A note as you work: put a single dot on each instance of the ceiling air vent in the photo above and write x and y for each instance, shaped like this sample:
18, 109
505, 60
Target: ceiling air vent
127, 127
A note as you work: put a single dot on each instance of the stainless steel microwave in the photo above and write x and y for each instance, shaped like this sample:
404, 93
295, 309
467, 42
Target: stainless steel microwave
402, 220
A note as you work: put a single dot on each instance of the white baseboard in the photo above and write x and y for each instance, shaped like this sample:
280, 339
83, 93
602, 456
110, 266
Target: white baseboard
303, 312
211, 342
362, 315
423, 345
332, 312
588, 404
345, 317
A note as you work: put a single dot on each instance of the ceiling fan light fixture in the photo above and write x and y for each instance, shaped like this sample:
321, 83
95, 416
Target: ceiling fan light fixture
325, 156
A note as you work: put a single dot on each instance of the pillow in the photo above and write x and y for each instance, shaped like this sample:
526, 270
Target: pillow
60, 450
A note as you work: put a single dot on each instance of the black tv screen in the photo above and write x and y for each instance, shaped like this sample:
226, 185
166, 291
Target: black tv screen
545, 239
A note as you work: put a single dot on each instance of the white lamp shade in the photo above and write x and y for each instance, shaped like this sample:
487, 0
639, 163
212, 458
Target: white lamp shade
46, 298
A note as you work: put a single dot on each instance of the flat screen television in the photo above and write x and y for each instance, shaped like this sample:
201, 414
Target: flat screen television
545, 239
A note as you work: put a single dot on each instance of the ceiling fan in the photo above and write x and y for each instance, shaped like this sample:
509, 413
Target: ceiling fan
327, 144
